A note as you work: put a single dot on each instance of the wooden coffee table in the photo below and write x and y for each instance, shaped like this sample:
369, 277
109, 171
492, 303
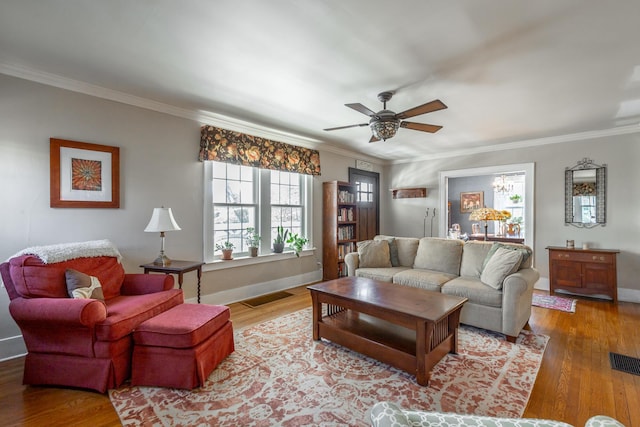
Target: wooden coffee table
409, 328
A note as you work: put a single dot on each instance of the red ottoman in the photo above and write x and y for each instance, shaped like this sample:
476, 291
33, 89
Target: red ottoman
182, 346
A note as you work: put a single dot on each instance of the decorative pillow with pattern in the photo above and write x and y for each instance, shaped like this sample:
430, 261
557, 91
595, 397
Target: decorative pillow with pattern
374, 254
83, 286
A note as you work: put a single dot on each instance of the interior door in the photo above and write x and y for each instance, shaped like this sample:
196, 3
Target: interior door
367, 202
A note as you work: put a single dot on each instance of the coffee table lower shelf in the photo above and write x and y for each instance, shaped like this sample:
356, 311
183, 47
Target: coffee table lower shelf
388, 342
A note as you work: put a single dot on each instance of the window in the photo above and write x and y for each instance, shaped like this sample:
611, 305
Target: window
239, 197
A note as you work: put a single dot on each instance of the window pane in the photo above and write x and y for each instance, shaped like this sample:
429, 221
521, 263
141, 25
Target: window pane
233, 172
233, 192
246, 191
219, 191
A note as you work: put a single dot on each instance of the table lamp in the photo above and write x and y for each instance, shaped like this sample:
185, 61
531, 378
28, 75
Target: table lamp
162, 220
485, 214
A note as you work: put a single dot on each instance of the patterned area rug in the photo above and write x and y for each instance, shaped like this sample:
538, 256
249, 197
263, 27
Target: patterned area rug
555, 303
279, 376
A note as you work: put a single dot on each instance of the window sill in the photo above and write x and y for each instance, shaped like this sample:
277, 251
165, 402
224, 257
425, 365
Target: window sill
243, 261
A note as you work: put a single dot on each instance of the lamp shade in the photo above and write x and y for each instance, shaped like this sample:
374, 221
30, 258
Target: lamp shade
162, 220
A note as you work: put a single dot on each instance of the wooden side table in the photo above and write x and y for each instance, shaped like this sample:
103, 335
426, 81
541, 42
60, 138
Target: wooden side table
177, 267
587, 272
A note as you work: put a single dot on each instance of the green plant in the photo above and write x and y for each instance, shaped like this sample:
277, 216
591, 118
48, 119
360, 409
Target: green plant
297, 242
515, 220
225, 246
252, 239
515, 198
281, 237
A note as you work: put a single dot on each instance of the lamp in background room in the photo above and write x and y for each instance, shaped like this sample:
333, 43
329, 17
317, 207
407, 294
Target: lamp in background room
485, 214
500, 185
162, 220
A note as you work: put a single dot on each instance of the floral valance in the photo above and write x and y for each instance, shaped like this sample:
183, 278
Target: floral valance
227, 146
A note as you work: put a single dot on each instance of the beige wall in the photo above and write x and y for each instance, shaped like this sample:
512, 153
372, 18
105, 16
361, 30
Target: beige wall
622, 231
158, 160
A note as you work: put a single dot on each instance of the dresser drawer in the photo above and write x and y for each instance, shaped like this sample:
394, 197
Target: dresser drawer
576, 256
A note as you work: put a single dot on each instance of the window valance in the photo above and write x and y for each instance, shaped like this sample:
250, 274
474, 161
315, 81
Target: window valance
228, 146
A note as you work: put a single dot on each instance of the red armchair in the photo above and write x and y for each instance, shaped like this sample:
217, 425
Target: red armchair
85, 343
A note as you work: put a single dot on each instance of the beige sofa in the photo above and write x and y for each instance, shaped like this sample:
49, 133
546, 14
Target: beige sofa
498, 285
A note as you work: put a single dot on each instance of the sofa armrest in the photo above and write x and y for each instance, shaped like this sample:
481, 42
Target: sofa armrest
141, 284
517, 294
57, 312
352, 261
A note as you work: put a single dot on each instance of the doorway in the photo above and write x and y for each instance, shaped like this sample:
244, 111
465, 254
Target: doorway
367, 202
527, 169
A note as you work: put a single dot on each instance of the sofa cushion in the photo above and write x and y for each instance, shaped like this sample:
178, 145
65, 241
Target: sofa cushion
34, 279
474, 253
380, 274
80, 285
393, 249
473, 289
374, 254
126, 312
503, 263
407, 249
438, 254
524, 250
424, 279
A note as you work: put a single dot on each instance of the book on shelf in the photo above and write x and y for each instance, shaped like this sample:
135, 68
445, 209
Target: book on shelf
346, 232
346, 197
344, 249
345, 214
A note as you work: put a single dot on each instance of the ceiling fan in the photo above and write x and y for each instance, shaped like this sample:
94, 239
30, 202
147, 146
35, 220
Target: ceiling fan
385, 123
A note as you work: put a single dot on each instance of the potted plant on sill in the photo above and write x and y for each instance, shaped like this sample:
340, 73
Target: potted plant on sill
253, 241
279, 241
227, 249
297, 243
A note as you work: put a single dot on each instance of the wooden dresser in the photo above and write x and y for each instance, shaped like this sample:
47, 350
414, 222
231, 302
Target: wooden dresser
590, 272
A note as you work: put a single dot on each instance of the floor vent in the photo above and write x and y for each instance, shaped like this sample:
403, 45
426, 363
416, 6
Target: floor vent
254, 302
628, 364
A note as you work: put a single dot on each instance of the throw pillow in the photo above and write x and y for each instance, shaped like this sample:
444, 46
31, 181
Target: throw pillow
81, 285
374, 254
503, 263
526, 252
393, 249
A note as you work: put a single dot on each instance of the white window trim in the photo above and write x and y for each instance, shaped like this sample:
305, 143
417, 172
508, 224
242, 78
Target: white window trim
215, 263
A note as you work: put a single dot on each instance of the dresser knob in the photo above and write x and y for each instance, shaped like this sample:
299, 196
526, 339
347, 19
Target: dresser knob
595, 257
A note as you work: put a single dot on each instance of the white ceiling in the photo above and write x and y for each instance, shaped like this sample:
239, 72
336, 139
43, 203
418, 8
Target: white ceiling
510, 71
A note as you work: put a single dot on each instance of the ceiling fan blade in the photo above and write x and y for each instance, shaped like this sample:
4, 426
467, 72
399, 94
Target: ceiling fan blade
350, 126
420, 126
361, 108
434, 105
374, 139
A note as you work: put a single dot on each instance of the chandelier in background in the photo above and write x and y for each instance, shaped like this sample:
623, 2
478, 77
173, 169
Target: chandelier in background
500, 185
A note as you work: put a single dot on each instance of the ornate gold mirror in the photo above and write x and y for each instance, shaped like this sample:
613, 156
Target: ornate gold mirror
585, 194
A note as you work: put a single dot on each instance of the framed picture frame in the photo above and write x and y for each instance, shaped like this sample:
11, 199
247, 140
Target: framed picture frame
84, 175
471, 200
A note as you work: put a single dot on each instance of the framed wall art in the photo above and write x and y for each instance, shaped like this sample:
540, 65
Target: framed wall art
84, 175
471, 201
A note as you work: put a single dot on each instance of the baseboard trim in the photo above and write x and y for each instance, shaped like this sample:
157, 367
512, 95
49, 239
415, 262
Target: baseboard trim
624, 294
12, 347
251, 291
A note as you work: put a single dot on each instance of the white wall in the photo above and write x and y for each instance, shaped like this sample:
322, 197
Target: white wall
620, 153
159, 166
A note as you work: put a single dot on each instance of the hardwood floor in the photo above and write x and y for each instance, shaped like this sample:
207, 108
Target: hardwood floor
575, 380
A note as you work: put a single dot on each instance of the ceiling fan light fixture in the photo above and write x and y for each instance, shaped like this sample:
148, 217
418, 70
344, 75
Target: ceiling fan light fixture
384, 129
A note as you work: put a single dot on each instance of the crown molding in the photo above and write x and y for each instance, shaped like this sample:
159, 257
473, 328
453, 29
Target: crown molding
202, 117
527, 143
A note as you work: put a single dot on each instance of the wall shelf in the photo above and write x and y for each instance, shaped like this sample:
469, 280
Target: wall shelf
409, 193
